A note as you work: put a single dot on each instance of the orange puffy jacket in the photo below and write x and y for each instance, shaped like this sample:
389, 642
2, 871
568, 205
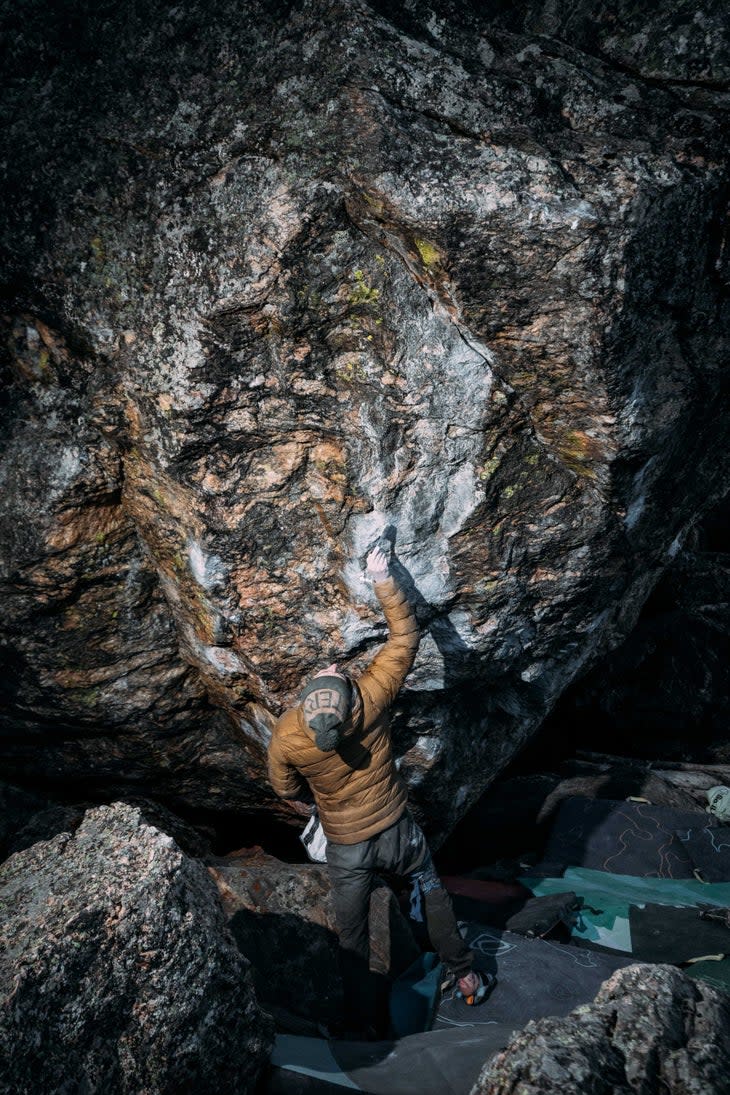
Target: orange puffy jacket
356, 787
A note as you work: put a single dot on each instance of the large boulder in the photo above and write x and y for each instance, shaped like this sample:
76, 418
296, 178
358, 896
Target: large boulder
118, 970
683, 43
650, 1029
275, 283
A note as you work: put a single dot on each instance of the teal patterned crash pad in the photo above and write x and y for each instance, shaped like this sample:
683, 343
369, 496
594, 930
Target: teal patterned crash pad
716, 974
604, 919
603, 890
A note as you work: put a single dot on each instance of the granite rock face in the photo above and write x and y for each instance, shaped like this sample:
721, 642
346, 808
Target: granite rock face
118, 971
649, 1029
682, 44
273, 284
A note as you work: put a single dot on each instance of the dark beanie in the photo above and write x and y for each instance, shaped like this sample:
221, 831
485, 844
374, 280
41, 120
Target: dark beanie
316, 699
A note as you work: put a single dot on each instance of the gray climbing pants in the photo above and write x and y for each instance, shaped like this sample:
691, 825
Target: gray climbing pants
399, 850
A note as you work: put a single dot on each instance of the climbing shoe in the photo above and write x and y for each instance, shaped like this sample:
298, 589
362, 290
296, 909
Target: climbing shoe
474, 987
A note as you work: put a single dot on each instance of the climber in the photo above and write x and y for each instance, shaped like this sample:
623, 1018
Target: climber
337, 740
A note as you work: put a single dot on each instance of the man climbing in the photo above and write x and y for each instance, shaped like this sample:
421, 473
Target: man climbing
337, 739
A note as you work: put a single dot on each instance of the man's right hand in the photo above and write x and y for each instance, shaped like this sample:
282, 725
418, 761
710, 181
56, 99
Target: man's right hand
377, 565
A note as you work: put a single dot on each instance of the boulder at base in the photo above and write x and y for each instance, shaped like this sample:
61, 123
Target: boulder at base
119, 973
282, 918
649, 1029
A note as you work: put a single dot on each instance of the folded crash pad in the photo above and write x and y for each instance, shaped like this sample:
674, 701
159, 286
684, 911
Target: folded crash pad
535, 978
533, 916
603, 922
439, 1062
708, 849
631, 838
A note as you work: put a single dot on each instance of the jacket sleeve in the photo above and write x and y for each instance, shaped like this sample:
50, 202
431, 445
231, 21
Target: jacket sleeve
283, 776
384, 677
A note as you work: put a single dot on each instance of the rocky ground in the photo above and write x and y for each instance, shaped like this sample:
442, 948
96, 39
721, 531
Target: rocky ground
125, 969
119, 973
650, 1029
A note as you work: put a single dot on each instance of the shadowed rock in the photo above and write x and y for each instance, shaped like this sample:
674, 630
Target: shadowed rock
282, 919
650, 1029
118, 970
274, 283
665, 692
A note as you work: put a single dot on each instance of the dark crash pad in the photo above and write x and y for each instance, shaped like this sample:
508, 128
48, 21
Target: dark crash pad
534, 916
708, 849
629, 838
535, 978
660, 933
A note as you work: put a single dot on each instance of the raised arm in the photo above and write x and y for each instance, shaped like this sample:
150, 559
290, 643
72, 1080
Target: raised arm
384, 677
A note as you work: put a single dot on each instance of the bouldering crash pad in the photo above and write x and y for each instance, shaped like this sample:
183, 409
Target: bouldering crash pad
708, 849
534, 916
663, 934
602, 890
604, 920
630, 838
438, 1062
535, 978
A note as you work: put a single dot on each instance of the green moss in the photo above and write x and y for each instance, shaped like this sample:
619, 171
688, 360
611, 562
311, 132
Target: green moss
89, 697
375, 204
97, 249
430, 254
362, 292
489, 468
532, 458
100, 537
508, 491
351, 372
